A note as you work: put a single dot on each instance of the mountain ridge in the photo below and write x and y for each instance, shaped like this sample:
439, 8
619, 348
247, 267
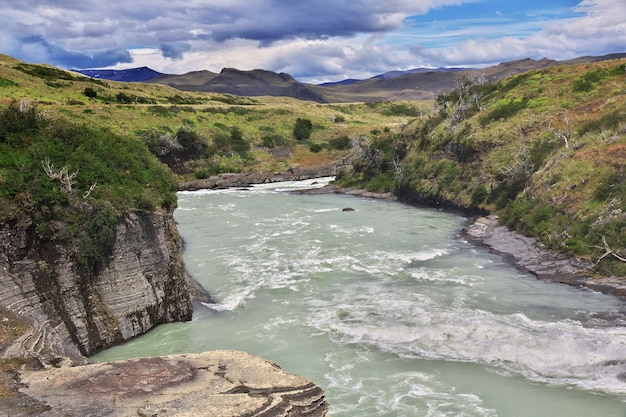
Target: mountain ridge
140, 74
412, 84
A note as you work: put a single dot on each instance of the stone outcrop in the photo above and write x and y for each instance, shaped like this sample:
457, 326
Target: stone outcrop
530, 256
218, 383
142, 284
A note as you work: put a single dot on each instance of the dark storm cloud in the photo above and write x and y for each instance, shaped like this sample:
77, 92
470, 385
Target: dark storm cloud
55, 55
73, 33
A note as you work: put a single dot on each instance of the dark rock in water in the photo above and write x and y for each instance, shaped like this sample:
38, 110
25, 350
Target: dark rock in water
348, 209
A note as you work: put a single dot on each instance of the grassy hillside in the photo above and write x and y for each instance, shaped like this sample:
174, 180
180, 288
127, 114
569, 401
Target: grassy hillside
225, 133
545, 149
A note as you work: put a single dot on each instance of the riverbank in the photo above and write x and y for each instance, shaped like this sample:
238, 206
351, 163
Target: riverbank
247, 179
528, 255
523, 252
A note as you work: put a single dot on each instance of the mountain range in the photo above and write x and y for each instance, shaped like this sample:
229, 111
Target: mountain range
412, 84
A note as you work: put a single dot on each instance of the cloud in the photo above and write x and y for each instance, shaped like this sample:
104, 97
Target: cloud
598, 29
81, 28
313, 40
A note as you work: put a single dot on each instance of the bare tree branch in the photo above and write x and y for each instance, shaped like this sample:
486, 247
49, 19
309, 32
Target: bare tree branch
63, 175
609, 251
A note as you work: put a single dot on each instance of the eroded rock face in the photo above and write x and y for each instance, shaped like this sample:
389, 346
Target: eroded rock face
218, 383
142, 284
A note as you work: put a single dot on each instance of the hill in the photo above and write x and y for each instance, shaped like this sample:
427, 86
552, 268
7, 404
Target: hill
412, 84
545, 150
141, 74
234, 133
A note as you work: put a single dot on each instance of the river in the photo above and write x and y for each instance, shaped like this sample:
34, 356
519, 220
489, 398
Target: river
389, 309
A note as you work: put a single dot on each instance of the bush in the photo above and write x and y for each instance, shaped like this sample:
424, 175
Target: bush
503, 111
479, 195
193, 145
302, 129
610, 121
342, 143
19, 119
5, 82
90, 92
316, 147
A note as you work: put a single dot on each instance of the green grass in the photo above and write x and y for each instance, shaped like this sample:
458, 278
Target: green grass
545, 148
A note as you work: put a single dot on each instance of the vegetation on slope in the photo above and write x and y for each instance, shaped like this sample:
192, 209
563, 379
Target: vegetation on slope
68, 181
225, 133
546, 150
76, 151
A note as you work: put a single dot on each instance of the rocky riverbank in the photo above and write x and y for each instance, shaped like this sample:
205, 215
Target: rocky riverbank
529, 255
247, 179
522, 251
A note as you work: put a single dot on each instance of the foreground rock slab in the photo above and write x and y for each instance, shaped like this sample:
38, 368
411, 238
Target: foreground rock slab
217, 383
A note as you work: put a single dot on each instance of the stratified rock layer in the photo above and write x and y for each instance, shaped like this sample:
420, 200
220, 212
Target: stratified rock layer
142, 283
217, 383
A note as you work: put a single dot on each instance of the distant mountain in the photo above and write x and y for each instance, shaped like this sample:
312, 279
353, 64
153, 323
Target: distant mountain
396, 74
586, 59
243, 83
141, 74
185, 82
412, 84
342, 82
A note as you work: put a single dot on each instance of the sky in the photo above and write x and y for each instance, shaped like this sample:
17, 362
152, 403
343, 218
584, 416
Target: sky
315, 41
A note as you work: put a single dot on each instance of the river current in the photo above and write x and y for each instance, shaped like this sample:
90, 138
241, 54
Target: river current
389, 310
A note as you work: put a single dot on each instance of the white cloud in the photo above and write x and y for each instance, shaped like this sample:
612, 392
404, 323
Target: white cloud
601, 29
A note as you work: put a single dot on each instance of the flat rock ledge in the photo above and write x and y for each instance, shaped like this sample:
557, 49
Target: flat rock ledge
530, 256
218, 383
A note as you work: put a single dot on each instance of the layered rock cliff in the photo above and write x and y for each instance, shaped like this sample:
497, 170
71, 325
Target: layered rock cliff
141, 284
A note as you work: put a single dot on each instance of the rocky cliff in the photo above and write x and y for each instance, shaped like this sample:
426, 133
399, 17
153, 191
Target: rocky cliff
141, 284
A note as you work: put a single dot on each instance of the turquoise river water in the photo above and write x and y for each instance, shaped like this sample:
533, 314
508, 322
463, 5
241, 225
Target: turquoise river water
389, 310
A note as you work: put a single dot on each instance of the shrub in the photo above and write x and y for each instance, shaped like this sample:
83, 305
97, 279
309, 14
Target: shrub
90, 92
610, 121
503, 111
18, 120
341, 143
588, 81
5, 82
302, 129
316, 147
192, 144
479, 195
